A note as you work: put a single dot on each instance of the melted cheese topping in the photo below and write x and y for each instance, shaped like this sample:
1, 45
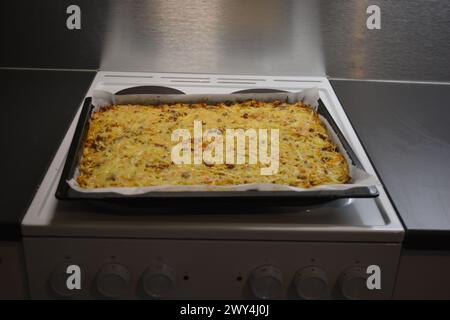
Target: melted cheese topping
130, 146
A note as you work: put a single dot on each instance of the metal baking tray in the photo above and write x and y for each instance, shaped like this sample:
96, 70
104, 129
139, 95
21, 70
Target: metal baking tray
201, 198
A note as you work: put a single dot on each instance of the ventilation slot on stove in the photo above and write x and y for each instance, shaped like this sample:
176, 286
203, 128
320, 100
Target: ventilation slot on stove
296, 81
124, 76
240, 80
235, 82
191, 81
187, 79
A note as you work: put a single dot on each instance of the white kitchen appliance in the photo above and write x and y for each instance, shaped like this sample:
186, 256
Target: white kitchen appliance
321, 251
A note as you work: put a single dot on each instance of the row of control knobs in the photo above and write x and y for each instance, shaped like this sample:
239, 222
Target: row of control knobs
265, 282
310, 283
157, 281
113, 281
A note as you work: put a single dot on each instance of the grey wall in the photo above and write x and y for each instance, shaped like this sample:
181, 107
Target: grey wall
281, 37
413, 44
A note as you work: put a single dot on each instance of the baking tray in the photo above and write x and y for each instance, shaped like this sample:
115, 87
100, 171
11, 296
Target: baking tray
202, 198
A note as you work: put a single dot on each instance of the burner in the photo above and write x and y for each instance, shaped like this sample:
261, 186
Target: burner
149, 90
260, 91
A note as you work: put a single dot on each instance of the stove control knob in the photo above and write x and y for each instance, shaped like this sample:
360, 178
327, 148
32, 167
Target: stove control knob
59, 278
311, 283
266, 282
113, 280
353, 284
158, 281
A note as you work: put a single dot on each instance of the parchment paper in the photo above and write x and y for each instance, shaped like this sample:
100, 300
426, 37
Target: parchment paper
360, 178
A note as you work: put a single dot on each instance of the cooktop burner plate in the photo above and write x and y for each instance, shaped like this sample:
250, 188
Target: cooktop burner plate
149, 90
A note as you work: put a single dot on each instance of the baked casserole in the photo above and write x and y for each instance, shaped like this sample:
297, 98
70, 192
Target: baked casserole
130, 146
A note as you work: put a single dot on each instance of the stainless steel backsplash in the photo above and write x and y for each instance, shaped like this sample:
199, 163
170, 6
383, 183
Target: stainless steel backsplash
279, 37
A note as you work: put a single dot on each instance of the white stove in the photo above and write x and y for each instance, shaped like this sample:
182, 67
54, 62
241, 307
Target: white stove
291, 252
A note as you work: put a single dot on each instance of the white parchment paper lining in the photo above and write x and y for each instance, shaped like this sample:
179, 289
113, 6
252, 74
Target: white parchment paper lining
310, 97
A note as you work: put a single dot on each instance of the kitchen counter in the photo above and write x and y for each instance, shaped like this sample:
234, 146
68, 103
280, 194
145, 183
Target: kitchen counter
403, 127
405, 130
33, 122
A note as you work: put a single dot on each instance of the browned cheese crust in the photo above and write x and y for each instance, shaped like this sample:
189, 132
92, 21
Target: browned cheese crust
130, 146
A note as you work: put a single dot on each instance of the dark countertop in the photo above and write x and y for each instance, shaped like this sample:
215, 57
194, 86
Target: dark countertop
32, 125
402, 126
406, 132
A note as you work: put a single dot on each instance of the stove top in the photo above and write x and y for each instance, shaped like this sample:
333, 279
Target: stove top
321, 251
352, 220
